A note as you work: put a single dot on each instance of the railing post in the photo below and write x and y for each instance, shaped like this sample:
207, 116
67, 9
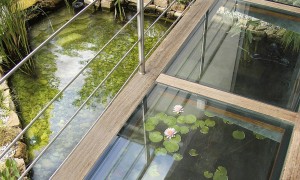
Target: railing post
203, 45
140, 26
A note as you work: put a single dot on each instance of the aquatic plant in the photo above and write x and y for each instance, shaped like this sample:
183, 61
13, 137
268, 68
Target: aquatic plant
291, 39
177, 156
193, 152
178, 109
170, 132
240, 135
155, 136
119, 11
13, 36
10, 170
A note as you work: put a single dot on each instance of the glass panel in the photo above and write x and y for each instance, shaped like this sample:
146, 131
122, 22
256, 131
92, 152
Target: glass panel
250, 50
295, 3
185, 136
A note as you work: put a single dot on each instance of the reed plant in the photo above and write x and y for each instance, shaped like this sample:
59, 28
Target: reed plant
291, 39
14, 36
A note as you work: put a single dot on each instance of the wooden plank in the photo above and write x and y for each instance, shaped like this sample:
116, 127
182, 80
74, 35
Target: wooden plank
95, 142
232, 99
291, 169
245, 119
231, 115
275, 5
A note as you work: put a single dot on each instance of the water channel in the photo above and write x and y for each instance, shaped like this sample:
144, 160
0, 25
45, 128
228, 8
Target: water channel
57, 63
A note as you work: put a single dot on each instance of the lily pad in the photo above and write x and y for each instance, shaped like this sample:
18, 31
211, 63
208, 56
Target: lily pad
177, 157
160, 151
155, 136
220, 174
180, 120
170, 121
259, 136
161, 116
184, 130
200, 123
152, 120
194, 127
193, 152
210, 123
208, 174
208, 114
171, 146
176, 127
149, 126
190, 119
204, 130
175, 139
240, 135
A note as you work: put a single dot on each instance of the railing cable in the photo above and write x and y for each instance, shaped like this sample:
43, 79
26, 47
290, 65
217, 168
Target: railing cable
59, 93
7, 75
78, 110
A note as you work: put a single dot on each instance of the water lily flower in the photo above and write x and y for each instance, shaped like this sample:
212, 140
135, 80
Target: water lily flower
178, 109
170, 132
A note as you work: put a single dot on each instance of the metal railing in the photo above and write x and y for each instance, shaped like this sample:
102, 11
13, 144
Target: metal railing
140, 67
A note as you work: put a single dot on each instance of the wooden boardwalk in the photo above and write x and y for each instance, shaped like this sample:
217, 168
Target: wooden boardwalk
84, 156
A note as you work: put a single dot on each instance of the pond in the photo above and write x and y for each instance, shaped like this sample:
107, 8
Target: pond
186, 136
58, 62
250, 50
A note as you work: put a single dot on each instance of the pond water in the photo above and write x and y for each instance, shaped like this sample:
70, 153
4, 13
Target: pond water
250, 50
57, 63
211, 140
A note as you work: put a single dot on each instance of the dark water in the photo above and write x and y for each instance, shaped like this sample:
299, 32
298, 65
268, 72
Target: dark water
57, 63
220, 143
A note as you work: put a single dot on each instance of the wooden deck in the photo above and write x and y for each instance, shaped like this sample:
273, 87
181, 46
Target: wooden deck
84, 156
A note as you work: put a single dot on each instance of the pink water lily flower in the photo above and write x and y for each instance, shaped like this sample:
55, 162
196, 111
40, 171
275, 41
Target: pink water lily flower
170, 132
178, 109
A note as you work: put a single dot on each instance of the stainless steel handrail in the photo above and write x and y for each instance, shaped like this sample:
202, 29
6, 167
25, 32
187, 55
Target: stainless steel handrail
169, 29
126, 82
59, 93
6, 76
141, 38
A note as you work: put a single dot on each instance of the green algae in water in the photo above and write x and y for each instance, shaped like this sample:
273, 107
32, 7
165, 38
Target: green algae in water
69, 39
33, 94
155, 136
